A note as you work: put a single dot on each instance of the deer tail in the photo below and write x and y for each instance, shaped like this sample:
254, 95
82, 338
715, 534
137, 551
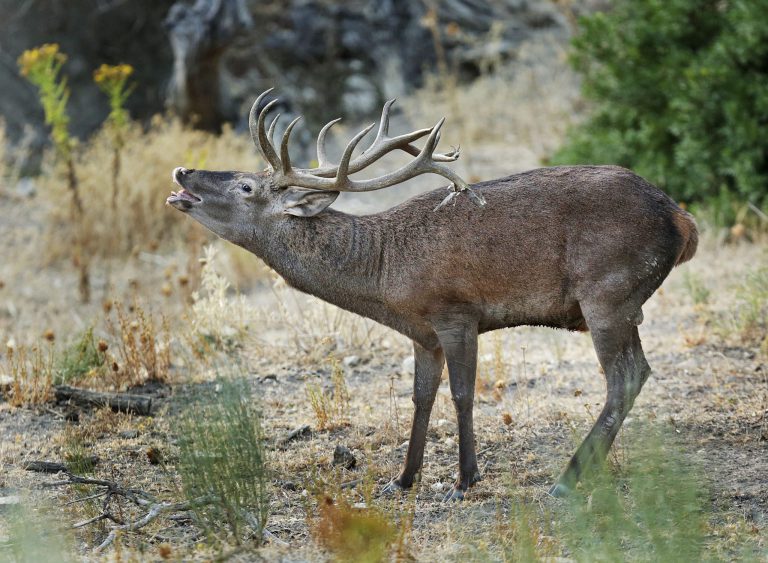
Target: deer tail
686, 227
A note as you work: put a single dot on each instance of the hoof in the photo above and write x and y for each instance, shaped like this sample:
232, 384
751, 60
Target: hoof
455, 494
558, 490
392, 488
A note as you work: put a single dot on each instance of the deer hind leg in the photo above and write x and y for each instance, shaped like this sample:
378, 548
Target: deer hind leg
626, 370
429, 368
459, 343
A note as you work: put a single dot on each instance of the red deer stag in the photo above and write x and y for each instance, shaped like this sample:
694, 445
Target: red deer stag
576, 247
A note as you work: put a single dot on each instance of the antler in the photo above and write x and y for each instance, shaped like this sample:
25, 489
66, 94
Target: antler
328, 177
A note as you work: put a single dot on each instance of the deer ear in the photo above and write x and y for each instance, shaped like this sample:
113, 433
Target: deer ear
306, 203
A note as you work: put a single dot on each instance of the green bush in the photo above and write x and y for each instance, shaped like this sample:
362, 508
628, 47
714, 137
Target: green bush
680, 95
222, 459
80, 360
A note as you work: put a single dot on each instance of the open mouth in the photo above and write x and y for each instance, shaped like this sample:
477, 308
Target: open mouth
182, 199
183, 195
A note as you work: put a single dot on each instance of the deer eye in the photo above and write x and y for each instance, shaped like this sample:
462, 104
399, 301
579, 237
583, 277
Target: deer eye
246, 188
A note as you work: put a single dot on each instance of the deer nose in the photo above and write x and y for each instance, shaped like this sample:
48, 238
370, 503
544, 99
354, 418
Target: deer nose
180, 171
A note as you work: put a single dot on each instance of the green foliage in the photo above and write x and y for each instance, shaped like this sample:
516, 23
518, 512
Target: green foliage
656, 507
658, 513
42, 66
113, 81
222, 458
81, 359
680, 92
696, 288
749, 318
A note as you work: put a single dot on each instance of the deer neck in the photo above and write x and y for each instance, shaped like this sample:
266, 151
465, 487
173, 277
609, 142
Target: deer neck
335, 256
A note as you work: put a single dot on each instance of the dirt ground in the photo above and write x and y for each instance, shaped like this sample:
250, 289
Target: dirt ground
538, 391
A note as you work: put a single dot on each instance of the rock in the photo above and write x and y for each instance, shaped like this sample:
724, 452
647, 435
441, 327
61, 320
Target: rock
344, 457
330, 58
351, 361
409, 365
437, 487
6, 383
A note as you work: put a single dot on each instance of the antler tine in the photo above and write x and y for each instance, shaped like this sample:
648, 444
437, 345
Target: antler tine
343, 170
253, 122
422, 164
322, 157
383, 131
285, 158
271, 130
266, 146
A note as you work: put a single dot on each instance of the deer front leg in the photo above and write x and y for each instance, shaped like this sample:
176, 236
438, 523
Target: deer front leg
429, 368
459, 342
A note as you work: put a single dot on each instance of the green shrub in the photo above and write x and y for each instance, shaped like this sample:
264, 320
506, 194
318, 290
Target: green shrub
222, 458
81, 359
680, 92
658, 512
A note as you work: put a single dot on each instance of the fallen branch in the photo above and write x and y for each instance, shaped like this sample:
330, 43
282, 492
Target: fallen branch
155, 510
44, 466
118, 402
151, 508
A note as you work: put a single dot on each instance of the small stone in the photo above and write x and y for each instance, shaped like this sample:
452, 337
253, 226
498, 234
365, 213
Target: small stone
450, 443
403, 446
343, 456
441, 422
409, 365
437, 487
351, 361
6, 382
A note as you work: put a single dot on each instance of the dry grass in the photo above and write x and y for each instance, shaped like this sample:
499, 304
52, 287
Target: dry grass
515, 115
331, 407
353, 533
31, 370
143, 347
140, 221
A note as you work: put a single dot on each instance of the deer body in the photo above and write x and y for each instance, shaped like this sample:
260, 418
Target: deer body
579, 248
548, 239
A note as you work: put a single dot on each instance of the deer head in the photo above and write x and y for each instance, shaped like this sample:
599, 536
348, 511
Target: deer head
224, 201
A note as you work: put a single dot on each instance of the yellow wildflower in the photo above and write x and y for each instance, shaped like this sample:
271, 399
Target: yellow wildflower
35, 59
108, 75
